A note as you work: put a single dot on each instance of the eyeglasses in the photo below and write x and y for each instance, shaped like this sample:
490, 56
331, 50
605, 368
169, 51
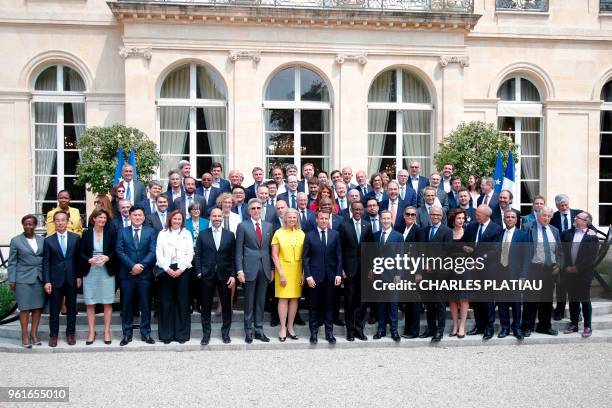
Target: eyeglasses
255, 208
410, 214
97, 202
121, 191
435, 215
581, 219
414, 167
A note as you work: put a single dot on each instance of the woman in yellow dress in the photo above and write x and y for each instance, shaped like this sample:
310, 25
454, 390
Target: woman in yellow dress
287, 246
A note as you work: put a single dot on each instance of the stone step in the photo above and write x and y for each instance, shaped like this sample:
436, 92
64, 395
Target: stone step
14, 345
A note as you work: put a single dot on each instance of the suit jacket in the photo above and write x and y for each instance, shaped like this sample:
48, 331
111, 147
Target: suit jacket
140, 191
442, 197
443, 234
532, 237
401, 206
423, 217
372, 194
211, 203
25, 265
311, 219
270, 214
490, 234
351, 248
452, 201
558, 223
250, 256
394, 238
587, 252
518, 263
498, 218
153, 221
146, 204
128, 255
180, 203
423, 182
109, 241
244, 208
412, 234
212, 263
336, 222
285, 196
251, 192
322, 262
363, 196
224, 186
58, 269
527, 221
493, 202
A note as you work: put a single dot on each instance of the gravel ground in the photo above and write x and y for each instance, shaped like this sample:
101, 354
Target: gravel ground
534, 376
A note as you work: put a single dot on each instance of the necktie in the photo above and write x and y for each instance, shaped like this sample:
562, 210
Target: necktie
128, 192
547, 254
264, 208
342, 206
136, 237
153, 207
189, 200
358, 230
323, 240
505, 249
375, 225
486, 199
480, 230
393, 211
382, 237
206, 195
403, 192
258, 232
63, 244
162, 218
565, 222
226, 223
293, 201
432, 232
126, 222
364, 190
303, 216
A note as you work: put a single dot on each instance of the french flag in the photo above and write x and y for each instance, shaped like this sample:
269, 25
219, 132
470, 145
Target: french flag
508, 183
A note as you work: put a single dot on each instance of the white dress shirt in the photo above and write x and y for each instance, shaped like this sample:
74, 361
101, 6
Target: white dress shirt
174, 247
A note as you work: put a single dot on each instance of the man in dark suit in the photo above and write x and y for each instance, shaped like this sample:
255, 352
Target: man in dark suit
353, 232
372, 214
182, 204
512, 265
347, 177
258, 180
254, 268
124, 215
61, 276
175, 187
216, 170
158, 219
464, 203
325, 204
439, 233
580, 247
429, 200
412, 310
453, 194
395, 205
482, 232
504, 203
307, 173
135, 191
290, 196
149, 205
442, 196
353, 197
416, 181
307, 217
488, 195
388, 311
136, 247
546, 256
214, 265
362, 184
208, 193
563, 220
322, 264
526, 221
268, 212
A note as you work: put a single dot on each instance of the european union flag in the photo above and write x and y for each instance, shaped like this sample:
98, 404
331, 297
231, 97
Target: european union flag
498, 174
120, 162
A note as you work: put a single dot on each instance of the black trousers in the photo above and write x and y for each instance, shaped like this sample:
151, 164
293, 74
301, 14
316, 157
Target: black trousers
174, 317
321, 295
207, 288
353, 308
579, 292
540, 303
55, 304
484, 315
412, 318
504, 315
436, 316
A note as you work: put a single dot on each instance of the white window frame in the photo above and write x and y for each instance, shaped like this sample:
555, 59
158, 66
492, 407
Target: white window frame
606, 106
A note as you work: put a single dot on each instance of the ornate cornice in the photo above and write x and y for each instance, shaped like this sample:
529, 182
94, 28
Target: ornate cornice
361, 59
254, 56
463, 60
143, 52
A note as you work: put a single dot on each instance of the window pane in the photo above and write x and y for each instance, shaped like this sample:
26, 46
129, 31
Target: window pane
174, 142
526, 210
530, 144
45, 112
210, 143
376, 165
506, 124
605, 214
45, 136
70, 162
606, 121
41, 210
416, 145
70, 136
417, 122
529, 189
381, 145
210, 85
315, 120
174, 118
77, 193
74, 113
507, 91
605, 191
605, 168
312, 86
46, 163
530, 168
272, 162
212, 118
73, 81
315, 144
47, 80
528, 91
319, 163
381, 120
606, 92
414, 91
176, 85
169, 163
204, 163
605, 145
530, 124
280, 120
46, 188
383, 88
282, 86
425, 165
279, 144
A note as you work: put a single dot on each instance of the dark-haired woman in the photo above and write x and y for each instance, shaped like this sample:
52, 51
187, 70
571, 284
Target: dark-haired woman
25, 277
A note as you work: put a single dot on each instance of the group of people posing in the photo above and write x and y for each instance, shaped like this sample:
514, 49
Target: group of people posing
281, 240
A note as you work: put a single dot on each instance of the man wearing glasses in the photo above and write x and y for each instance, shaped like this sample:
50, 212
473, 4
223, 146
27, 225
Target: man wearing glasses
416, 181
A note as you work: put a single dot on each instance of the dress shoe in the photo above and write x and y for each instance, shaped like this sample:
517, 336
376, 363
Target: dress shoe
26, 345
460, 336
558, 315
526, 333
587, 332
488, 334
274, 322
181, 341
426, 334
550, 332
437, 337
361, 336
292, 336
166, 341
395, 336
204, 341
379, 335
90, 342
451, 334
410, 336
350, 337
262, 337
53, 341
339, 322
518, 334
313, 339
503, 333
330, 339
147, 339
282, 339
475, 331
571, 328
35, 341
298, 320
71, 339
226, 339
248, 339
125, 340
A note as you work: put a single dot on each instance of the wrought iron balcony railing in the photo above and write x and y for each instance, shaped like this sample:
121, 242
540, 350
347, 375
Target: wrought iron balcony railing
522, 5
605, 6
442, 6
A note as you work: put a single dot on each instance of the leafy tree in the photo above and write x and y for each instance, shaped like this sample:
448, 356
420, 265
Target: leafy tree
472, 149
99, 146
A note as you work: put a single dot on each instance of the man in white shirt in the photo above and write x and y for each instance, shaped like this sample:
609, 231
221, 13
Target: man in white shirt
447, 173
347, 177
278, 177
134, 189
341, 198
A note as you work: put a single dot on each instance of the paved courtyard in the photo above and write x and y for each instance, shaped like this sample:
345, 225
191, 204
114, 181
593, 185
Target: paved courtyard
549, 375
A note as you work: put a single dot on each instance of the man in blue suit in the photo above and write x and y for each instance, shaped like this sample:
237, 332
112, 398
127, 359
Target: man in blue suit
240, 207
488, 195
395, 204
258, 178
334, 221
208, 193
512, 265
322, 264
61, 276
416, 181
149, 205
388, 310
453, 194
308, 218
216, 170
526, 221
135, 190
136, 253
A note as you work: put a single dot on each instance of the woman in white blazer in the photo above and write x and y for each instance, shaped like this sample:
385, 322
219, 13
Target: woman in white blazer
174, 256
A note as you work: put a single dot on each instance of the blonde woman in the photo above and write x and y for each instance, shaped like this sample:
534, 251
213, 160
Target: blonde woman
230, 219
287, 246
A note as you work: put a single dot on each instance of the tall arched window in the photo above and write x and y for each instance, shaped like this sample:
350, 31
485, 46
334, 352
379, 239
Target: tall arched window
519, 114
58, 111
605, 157
192, 107
297, 112
399, 122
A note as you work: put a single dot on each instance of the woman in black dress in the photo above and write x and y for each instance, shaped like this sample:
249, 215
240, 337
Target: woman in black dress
458, 299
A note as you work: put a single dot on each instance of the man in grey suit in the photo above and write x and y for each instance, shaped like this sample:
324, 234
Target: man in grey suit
429, 200
183, 202
253, 238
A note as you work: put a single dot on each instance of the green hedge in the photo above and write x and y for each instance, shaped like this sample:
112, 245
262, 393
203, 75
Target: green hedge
7, 298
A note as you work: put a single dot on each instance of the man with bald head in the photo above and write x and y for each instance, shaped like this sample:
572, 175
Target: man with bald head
347, 177
362, 184
326, 204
